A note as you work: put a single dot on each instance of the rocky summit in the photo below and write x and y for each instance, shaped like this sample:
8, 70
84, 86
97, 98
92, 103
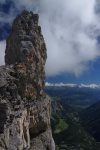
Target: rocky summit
24, 107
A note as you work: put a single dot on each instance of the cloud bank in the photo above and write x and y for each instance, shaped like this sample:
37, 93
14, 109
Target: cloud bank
70, 30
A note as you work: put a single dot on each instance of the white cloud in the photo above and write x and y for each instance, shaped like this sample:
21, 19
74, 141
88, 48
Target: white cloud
70, 29
2, 52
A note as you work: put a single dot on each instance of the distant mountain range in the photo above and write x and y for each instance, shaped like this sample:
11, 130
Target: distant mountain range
78, 96
91, 86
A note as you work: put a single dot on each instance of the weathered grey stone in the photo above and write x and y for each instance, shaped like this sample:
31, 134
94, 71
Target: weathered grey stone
24, 107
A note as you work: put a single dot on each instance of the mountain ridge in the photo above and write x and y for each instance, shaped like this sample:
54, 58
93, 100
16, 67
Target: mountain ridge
92, 120
71, 85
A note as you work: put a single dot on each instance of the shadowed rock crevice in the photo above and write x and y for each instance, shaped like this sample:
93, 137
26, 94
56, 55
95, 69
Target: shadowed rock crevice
24, 107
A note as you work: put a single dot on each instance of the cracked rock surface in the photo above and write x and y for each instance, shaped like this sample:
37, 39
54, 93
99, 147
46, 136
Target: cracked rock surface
24, 107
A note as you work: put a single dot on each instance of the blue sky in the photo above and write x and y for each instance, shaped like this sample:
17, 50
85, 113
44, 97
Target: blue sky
72, 36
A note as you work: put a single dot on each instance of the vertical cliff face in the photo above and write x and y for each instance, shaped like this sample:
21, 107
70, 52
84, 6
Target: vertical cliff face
24, 107
27, 51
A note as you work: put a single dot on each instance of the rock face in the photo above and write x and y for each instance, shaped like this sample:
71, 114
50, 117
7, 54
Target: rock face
24, 107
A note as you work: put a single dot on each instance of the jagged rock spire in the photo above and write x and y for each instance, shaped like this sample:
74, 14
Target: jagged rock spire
24, 107
27, 51
25, 40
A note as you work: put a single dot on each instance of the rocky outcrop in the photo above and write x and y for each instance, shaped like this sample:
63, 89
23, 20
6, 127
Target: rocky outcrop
24, 107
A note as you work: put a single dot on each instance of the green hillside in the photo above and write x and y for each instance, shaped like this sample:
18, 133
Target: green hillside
90, 118
68, 133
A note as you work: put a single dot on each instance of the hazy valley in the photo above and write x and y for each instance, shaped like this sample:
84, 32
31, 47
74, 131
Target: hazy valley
75, 117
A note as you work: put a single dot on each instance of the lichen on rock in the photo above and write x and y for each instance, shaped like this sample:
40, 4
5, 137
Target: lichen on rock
24, 107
